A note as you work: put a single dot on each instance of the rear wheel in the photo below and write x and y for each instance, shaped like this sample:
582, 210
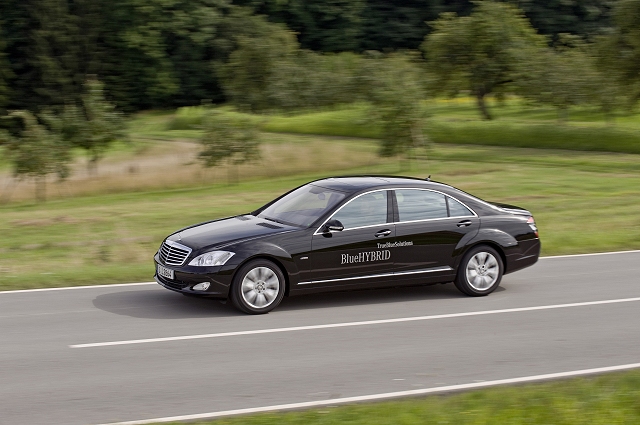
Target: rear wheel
258, 287
480, 271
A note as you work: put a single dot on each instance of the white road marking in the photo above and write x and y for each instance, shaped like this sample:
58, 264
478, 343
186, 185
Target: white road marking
66, 288
383, 396
350, 324
590, 255
154, 283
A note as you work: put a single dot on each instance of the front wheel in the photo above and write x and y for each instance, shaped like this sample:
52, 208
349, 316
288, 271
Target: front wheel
258, 287
480, 271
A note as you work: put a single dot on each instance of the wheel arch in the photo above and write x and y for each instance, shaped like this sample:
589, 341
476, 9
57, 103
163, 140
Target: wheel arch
272, 259
496, 246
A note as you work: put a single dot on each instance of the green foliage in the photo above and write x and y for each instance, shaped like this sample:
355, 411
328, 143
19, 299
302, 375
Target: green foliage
585, 18
478, 52
5, 74
564, 76
402, 25
94, 126
321, 25
37, 153
620, 51
188, 118
160, 53
325, 25
230, 139
308, 80
245, 77
396, 93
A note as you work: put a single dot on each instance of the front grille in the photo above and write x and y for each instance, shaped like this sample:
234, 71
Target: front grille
173, 253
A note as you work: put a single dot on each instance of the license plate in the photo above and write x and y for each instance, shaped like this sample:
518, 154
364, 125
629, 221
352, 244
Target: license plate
165, 272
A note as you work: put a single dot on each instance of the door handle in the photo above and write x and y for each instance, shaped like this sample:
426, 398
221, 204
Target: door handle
382, 233
464, 223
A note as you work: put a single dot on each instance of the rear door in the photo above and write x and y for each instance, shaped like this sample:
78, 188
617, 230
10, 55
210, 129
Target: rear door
355, 255
429, 226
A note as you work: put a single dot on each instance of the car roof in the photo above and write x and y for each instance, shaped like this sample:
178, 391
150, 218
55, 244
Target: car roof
351, 184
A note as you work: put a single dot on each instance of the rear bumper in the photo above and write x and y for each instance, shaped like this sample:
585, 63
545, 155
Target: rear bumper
528, 256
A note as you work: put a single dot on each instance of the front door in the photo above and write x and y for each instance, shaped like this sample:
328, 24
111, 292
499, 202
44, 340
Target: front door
356, 255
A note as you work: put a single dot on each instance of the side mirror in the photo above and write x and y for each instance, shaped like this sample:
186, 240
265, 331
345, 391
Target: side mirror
333, 226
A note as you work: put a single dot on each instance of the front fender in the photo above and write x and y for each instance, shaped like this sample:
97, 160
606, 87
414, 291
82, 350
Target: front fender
263, 249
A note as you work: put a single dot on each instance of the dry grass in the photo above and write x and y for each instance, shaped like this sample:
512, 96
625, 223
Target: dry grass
161, 165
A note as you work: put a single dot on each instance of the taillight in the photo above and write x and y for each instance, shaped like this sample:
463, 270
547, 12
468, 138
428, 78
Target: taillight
532, 223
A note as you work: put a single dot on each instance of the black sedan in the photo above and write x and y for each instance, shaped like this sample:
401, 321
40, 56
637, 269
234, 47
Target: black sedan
350, 233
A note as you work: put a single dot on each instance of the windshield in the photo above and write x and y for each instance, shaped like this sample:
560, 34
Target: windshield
303, 206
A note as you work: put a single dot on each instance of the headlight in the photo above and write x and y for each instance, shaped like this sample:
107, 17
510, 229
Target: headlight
213, 258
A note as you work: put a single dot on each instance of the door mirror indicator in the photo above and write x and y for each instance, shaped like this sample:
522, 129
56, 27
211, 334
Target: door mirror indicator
333, 226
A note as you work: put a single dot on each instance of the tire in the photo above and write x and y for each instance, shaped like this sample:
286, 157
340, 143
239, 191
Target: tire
480, 271
258, 287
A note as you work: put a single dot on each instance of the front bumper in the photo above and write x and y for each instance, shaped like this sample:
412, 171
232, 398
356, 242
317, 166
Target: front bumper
186, 277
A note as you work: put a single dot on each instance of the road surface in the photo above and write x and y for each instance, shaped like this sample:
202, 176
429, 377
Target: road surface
108, 354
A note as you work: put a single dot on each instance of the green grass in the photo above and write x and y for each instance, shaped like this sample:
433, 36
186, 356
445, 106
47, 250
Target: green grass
515, 125
348, 121
583, 202
602, 400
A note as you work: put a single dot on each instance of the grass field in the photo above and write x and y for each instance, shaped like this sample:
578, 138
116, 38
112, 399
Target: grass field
451, 121
603, 400
583, 202
456, 121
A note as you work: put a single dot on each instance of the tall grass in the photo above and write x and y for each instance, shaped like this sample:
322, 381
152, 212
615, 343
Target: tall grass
568, 136
456, 122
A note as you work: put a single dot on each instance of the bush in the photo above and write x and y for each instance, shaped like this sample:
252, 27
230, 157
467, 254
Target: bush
187, 118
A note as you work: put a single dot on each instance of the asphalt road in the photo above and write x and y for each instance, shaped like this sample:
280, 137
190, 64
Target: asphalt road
49, 376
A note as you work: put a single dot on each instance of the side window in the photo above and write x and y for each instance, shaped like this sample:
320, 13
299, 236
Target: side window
366, 210
420, 204
456, 209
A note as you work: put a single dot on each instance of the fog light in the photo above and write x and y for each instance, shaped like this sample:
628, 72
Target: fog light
201, 286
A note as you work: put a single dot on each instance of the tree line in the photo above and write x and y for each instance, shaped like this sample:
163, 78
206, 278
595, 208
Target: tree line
160, 54
70, 68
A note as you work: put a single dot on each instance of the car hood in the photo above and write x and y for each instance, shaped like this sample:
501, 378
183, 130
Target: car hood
224, 231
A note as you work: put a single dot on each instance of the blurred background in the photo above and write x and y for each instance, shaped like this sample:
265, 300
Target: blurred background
122, 120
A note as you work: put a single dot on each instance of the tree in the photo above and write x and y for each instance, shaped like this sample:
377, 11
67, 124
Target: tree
5, 75
37, 153
321, 25
586, 18
245, 77
93, 126
564, 76
313, 80
620, 51
478, 52
396, 95
392, 25
231, 139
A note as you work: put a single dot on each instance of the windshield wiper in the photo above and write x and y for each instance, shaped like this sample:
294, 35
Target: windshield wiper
273, 219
